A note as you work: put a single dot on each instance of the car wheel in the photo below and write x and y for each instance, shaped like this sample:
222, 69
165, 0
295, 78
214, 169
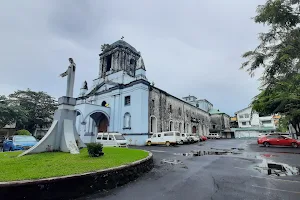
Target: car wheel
295, 145
149, 143
266, 144
168, 143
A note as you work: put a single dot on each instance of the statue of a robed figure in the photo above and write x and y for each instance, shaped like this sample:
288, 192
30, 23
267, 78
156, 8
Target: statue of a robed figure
71, 77
62, 135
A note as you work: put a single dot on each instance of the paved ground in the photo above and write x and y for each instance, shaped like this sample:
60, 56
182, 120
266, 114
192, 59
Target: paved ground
214, 177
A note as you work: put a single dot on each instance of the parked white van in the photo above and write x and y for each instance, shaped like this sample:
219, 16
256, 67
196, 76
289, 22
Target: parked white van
112, 140
213, 136
167, 138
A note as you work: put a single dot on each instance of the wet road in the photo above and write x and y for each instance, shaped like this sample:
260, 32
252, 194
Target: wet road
232, 176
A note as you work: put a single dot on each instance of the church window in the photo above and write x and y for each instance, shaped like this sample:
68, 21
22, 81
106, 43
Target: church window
170, 108
108, 63
127, 120
171, 126
103, 103
153, 103
132, 61
179, 111
127, 100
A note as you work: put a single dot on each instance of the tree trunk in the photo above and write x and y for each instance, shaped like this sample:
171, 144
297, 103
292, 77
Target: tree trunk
294, 126
298, 130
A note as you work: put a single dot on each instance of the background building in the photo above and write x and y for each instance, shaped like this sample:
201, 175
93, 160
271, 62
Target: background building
8, 130
220, 123
251, 124
234, 122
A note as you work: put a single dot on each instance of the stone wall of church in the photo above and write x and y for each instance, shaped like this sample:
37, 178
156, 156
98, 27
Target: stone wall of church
167, 112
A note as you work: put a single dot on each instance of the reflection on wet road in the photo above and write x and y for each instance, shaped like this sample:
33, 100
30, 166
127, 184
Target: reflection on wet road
217, 169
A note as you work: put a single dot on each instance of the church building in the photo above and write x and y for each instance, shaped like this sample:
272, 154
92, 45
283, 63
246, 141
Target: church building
122, 100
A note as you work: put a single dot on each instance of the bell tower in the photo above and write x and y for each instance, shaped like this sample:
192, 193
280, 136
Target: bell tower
119, 56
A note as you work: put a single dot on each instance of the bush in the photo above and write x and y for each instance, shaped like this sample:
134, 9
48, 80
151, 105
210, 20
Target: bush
95, 149
22, 132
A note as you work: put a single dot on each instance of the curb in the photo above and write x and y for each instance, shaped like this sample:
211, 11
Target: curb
72, 186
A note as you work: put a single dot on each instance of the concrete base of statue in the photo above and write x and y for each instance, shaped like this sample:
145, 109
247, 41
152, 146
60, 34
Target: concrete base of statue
62, 135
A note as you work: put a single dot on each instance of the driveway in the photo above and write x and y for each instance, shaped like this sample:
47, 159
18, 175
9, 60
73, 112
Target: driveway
233, 171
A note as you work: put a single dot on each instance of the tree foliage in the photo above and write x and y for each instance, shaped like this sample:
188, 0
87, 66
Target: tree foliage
22, 132
278, 51
279, 55
39, 106
10, 113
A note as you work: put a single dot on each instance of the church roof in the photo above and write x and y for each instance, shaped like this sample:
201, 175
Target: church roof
122, 43
215, 111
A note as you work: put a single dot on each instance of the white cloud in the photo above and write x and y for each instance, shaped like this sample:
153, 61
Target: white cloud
188, 48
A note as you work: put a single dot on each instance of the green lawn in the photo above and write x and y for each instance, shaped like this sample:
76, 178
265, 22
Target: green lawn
45, 165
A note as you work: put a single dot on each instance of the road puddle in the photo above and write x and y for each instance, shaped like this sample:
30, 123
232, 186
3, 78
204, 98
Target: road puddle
276, 169
214, 151
171, 161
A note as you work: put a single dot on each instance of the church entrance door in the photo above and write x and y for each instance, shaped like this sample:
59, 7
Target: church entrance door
194, 129
101, 121
103, 124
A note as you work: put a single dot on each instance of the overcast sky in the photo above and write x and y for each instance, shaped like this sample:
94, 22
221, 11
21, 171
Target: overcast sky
189, 47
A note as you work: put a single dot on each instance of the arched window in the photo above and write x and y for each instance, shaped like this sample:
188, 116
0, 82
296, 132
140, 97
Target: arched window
179, 127
127, 121
179, 111
132, 61
171, 126
153, 124
170, 108
103, 103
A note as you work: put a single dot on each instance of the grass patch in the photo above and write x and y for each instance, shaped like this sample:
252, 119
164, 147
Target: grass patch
45, 165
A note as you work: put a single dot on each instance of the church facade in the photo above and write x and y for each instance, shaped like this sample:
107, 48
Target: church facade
122, 100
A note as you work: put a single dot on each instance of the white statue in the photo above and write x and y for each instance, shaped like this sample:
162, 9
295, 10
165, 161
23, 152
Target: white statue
71, 77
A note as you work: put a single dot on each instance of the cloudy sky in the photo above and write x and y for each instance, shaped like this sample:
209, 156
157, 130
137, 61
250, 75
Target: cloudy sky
189, 47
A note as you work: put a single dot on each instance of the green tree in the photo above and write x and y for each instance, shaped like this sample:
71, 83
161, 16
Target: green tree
39, 106
10, 113
283, 124
279, 55
278, 51
22, 132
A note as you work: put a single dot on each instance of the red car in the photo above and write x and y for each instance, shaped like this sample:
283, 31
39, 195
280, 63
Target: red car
277, 140
203, 138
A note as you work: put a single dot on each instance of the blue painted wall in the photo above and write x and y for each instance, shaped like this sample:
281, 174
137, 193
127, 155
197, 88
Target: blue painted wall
138, 109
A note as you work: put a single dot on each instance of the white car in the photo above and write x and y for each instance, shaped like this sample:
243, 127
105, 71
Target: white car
167, 138
112, 140
184, 138
193, 138
213, 136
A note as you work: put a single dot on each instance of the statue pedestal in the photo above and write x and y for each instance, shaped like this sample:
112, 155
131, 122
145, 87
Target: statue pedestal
62, 135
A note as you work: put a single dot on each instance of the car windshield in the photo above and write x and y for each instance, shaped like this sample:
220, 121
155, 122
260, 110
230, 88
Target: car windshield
119, 137
24, 138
